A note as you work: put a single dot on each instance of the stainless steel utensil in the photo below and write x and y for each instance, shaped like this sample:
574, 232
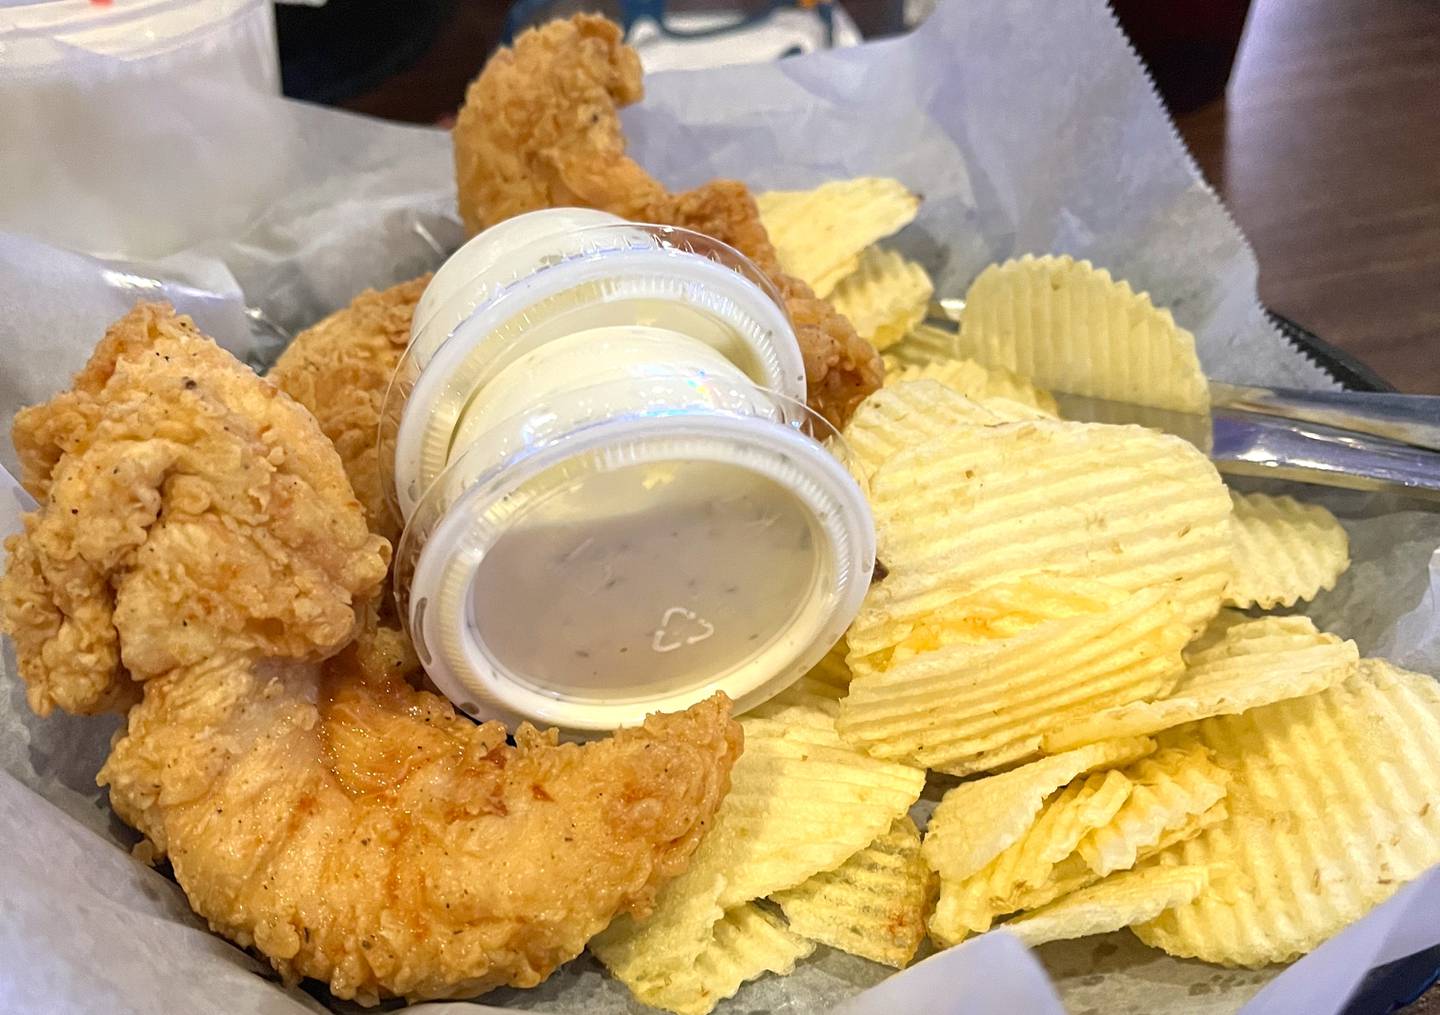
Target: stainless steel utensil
1352, 439
1359, 440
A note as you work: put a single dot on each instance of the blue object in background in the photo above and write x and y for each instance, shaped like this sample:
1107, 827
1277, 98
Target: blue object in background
629, 13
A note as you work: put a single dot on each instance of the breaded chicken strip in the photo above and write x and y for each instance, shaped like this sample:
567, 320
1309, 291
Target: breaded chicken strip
540, 128
340, 369
198, 547
186, 507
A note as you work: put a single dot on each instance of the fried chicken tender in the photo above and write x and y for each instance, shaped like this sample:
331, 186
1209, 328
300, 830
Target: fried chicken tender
340, 369
361, 832
540, 128
187, 509
198, 547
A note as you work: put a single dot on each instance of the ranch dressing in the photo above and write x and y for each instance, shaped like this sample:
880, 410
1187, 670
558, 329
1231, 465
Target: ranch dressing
612, 506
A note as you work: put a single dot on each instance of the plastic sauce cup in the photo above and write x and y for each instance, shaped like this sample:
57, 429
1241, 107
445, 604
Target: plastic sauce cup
615, 500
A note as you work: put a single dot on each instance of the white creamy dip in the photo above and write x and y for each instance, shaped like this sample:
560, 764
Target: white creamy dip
612, 506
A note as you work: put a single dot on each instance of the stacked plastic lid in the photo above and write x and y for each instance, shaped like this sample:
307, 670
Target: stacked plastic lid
614, 495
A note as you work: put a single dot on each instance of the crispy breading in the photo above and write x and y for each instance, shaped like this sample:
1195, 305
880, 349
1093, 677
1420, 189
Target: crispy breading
340, 369
541, 129
188, 507
361, 832
198, 547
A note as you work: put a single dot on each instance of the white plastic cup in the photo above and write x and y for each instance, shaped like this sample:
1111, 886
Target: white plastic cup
609, 517
137, 128
534, 286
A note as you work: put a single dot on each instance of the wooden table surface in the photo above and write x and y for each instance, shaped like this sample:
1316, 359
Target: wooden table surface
1327, 151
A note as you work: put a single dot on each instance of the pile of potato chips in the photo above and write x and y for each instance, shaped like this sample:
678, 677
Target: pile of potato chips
1058, 647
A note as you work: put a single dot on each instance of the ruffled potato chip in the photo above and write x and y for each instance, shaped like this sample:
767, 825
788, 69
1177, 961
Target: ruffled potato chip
1104, 822
1123, 899
925, 343
1171, 792
1285, 551
873, 905
801, 802
820, 234
904, 414
1334, 804
990, 386
1029, 872
1239, 664
977, 820
964, 705
976, 507
744, 944
1069, 326
885, 297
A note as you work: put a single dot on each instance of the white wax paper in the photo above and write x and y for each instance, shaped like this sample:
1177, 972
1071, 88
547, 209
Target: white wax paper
1028, 126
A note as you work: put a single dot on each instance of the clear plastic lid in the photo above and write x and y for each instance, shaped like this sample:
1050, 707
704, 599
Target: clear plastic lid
601, 275
587, 575
499, 255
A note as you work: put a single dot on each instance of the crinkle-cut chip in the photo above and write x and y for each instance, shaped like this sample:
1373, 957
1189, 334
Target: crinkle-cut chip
819, 234
745, 943
804, 803
804, 703
926, 343
1233, 637
873, 905
1334, 804
1237, 665
1120, 900
1068, 325
653, 958
1011, 411
885, 297
1097, 825
982, 506
900, 416
961, 910
1170, 790
1004, 611
1066, 819
982, 384
1192, 827
801, 801
977, 820
832, 670
814, 699
972, 706
1284, 550
1025, 873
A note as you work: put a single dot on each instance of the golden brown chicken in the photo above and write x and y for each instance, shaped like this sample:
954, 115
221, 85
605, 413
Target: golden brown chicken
186, 509
540, 128
340, 369
198, 548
